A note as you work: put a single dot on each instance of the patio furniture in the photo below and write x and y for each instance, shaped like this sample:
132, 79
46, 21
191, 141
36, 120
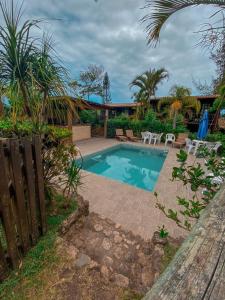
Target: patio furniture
120, 135
130, 136
213, 146
157, 138
180, 141
145, 136
198, 143
189, 145
170, 137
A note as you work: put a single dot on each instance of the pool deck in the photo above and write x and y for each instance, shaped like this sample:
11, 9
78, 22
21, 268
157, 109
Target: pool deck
129, 206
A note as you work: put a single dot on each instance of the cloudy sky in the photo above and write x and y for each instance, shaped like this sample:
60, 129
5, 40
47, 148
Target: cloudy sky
109, 33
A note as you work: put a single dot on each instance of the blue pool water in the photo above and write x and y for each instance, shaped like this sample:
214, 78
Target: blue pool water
134, 165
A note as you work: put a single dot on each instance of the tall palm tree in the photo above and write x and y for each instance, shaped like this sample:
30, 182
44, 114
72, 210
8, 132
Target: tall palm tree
180, 100
147, 83
161, 10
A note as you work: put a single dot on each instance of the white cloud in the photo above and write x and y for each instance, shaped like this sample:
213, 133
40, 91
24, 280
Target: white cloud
109, 33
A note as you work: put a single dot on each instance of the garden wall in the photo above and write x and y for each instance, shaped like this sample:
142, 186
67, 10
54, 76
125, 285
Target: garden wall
81, 132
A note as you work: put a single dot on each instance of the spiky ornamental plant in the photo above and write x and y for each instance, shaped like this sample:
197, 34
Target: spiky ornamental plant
30, 69
16, 51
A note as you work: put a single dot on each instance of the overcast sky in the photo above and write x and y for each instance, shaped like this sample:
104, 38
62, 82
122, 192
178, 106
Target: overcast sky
109, 33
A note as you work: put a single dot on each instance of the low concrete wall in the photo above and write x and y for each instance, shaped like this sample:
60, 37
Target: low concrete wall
81, 132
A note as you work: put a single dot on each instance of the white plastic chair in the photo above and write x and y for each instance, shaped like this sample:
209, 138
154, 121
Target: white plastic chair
157, 138
145, 136
170, 137
216, 146
189, 145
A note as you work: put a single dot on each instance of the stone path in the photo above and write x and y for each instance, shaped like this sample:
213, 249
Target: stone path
107, 262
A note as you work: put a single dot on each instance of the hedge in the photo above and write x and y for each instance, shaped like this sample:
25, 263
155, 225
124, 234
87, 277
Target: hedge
139, 126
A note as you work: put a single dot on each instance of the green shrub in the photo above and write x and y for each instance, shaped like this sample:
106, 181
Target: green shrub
26, 128
88, 116
151, 123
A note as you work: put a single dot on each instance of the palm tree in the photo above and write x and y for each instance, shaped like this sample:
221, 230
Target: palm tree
161, 10
147, 83
180, 99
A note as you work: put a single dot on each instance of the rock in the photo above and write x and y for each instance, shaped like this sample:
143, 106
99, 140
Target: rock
118, 239
72, 251
98, 227
117, 226
118, 253
129, 257
147, 248
142, 259
94, 265
105, 272
157, 240
121, 280
82, 260
137, 247
126, 246
159, 250
108, 261
116, 233
106, 244
107, 232
146, 279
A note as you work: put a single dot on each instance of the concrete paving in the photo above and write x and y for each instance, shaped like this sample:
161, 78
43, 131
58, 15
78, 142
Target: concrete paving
129, 206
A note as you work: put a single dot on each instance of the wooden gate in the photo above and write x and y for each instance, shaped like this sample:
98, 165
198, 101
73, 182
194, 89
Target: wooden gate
22, 201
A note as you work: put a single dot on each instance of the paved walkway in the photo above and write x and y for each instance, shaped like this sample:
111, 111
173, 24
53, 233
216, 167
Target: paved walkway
129, 206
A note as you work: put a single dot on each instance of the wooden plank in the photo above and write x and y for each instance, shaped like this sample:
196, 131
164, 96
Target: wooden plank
40, 182
3, 264
30, 178
20, 196
7, 216
198, 269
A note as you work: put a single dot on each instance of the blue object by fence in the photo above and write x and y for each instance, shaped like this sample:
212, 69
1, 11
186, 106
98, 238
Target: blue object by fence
203, 126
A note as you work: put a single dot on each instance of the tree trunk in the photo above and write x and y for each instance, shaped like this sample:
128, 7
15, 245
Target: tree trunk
25, 99
175, 120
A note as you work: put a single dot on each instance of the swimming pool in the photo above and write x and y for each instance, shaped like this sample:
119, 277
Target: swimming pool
134, 165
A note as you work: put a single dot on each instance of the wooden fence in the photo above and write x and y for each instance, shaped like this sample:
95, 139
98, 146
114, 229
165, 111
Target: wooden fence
198, 269
22, 201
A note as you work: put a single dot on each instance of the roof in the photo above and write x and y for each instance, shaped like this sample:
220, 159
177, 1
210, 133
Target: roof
117, 105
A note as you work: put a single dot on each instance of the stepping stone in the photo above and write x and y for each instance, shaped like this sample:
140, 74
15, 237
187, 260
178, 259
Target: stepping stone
82, 260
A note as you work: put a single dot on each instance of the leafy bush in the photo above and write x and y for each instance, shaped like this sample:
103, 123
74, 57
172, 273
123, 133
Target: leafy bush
150, 123
60, 170
199, 179
26, 128
88, 116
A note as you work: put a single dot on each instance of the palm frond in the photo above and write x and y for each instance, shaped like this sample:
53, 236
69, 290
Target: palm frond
161, 10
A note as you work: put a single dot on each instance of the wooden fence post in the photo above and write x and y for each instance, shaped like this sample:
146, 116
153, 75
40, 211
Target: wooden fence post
6, 210
40, 182
19, 193
31, 191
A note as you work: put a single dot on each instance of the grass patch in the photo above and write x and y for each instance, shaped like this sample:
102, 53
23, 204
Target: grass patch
37, 270
169, 252
131, 295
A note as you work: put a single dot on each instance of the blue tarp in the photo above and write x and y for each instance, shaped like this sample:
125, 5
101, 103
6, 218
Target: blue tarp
203, 126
